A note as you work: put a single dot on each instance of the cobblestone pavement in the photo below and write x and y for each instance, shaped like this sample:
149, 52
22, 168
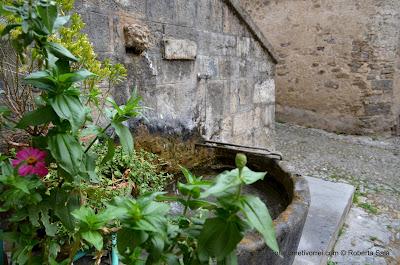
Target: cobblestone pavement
371, 234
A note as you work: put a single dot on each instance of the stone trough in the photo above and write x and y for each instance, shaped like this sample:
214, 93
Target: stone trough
285, 194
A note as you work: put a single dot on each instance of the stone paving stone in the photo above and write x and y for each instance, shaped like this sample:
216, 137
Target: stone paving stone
330, 204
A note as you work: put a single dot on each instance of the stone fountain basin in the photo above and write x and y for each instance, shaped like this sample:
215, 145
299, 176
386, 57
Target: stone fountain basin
285, 194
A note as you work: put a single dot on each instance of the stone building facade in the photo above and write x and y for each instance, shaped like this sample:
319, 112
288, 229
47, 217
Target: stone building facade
199, 65
338, 62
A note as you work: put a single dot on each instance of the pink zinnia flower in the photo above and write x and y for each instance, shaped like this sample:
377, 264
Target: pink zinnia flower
31, 161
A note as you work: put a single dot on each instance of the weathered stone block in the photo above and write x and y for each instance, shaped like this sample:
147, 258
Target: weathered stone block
382, 84
207, 67
185, 12
264, 92
379, 108
209, 15
257, 49
175, 49
228, 67
245, 92
216, 44
234, 95
246, 68
165, 98
231, 24
264, 138
258, 118
243, 47
175, 71
226, 132
179, 32
243, 139
243, 123
99, 31
215, 98
161, 11
137, 6
264, 67
269, 115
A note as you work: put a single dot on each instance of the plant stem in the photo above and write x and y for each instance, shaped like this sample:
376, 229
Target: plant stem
241, 183
97, 137
74, 250
186, 205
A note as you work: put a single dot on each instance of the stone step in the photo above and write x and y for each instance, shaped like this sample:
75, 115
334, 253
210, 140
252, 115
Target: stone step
330, 204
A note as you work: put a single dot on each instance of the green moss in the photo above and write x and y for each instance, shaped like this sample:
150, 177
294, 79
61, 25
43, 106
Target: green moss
369, 207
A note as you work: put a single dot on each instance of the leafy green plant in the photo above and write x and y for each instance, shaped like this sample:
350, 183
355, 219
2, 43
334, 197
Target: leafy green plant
50, 217
142, 169
19, 96
40, 213
206, 229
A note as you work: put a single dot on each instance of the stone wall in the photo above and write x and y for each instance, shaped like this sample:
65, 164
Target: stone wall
205, 69
338, 61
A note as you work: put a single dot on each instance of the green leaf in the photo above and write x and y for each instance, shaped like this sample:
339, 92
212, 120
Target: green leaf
194, 189
67, 151
89, 220
158, 247
125, 136
8, 28
110, 151
231, 259
65, 202
195, 204
21, 184
4, 110
219, 237
172, 259
258, 216
76, 76
51, 229
94, 238
155, 208
129, 239
227, 183
60, 21
37, 117
22, 254
42, 80
89, 167
54, 248
190, 178
7, 10
69, 108
250, 176
60, 51
6, 168
48, 14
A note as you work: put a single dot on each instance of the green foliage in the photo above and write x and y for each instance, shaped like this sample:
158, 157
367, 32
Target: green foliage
28, 27
142, 169
211, 232
46, 214
369, 207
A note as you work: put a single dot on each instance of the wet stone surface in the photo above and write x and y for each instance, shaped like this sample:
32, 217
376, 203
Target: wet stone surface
371, 234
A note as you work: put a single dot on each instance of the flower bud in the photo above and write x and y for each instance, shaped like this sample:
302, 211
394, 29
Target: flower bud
240, 160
